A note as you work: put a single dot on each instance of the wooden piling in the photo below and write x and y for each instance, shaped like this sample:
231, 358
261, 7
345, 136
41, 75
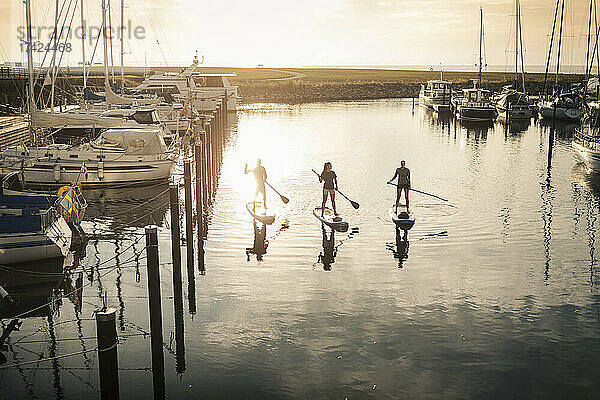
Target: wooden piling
208, 177
177, 290
154, 304
189, 226
106, 332
199, 205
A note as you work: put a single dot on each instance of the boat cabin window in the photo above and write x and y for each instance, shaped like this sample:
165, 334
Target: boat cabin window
136, 144
144, 117
210, 81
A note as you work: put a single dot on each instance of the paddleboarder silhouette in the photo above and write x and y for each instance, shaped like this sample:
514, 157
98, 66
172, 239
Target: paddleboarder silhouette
260, 177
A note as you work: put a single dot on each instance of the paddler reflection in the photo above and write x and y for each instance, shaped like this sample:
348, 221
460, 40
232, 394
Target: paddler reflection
402, 245
260, 242
327, 256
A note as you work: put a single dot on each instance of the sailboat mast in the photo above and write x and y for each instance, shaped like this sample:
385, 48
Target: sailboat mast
521, 44
587, 55
31, 101
516, 43
551, 45
104, 41
122, 47
54, 58
562, 15
480, 43
83, 46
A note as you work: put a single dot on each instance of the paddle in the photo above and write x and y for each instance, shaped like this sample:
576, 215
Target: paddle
354, 203
283, 198
420, 191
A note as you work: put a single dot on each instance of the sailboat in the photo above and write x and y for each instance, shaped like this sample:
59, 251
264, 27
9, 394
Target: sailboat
119, 155
512, 103
34, 226
475, 104
564, 103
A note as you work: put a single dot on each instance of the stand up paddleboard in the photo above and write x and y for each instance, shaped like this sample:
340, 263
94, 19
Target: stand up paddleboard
259, 213
334, 222
404, 219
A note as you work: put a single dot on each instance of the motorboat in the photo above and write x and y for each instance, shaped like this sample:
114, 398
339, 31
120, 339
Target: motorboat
474, 105
435, 95
37, 226
118, 156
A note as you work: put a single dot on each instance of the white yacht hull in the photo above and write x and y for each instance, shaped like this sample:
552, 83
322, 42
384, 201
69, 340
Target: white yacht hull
46, 173
590, 157
433, 104
33, 246
567, 114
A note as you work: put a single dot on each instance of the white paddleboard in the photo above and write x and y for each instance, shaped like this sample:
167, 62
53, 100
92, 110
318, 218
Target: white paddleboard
259, 213
334, 222
403, 219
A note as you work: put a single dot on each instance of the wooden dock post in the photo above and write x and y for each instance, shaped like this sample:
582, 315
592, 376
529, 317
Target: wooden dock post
207, 167
189, 225
106, 332
154, 304
177, 290
225, 111
199, 205
175, 236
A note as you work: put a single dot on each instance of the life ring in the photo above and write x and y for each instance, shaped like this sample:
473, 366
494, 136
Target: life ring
202, 81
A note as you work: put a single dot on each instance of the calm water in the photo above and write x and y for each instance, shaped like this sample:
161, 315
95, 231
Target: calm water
494, 295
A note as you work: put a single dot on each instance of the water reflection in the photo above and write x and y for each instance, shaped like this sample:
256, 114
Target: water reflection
327, 255
259, 247
400, 248
123, 208
514, 126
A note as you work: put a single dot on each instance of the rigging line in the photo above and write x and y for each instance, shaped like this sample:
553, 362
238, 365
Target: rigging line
587, 55
562, 16
74, 290
142, 204
94, 51
551, 45
58, 38
76, 353
153, 26
67, 40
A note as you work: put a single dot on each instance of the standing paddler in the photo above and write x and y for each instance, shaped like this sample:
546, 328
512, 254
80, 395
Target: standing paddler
260, 176
330, 185
403, 184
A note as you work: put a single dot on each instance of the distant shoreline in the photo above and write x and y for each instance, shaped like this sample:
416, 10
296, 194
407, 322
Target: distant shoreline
305, 85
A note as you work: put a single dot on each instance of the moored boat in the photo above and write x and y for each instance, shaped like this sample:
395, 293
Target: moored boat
474, 106
586, 143
36, 226
116, 157
436, 95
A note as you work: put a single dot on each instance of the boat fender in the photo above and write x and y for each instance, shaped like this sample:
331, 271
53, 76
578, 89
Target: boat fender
100, 170
56, 172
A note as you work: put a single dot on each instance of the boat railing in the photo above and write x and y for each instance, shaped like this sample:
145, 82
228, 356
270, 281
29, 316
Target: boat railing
48, 217
591, 142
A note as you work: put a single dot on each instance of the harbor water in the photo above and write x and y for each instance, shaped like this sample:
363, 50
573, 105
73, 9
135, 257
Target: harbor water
493, 294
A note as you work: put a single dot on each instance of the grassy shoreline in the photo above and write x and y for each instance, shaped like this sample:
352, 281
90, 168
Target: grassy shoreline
304, 85
298, 85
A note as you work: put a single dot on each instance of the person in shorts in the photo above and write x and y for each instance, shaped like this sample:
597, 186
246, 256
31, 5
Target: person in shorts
330, 185
260, 176
403, 184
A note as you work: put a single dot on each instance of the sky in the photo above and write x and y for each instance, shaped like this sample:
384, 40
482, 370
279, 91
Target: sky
311, 32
